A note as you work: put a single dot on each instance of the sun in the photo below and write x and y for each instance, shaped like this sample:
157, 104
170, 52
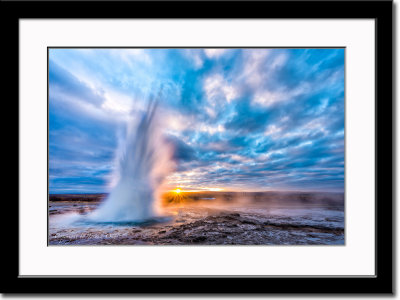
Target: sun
177, 191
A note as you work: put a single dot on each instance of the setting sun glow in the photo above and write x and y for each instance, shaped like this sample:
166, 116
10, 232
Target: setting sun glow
177, 191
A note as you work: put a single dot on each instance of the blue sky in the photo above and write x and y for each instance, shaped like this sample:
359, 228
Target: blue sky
238, 119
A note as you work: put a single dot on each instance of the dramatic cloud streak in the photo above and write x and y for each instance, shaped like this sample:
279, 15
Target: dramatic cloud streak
239, 119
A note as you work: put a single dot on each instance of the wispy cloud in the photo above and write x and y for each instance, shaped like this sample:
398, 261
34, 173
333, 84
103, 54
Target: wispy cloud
251, 119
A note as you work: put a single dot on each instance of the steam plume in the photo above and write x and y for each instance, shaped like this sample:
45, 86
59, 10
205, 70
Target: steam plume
143, 164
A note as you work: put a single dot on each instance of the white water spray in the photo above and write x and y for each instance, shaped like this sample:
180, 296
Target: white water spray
143, 164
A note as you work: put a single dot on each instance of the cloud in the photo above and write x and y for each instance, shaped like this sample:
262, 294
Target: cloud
218, 89
68, 92
130, 55
215, 53
251, 119
182, 151
62, 81
195, 56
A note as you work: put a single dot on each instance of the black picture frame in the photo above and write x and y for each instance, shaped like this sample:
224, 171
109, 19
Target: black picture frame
381, 11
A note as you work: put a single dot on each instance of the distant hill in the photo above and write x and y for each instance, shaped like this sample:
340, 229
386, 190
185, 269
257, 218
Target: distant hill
77, 197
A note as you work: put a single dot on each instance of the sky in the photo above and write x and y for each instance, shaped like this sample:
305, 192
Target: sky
238, 119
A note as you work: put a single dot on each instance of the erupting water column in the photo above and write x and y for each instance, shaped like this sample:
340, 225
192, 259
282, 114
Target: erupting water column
143, 164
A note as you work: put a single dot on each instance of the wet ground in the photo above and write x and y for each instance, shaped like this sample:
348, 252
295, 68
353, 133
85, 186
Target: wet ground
202, 225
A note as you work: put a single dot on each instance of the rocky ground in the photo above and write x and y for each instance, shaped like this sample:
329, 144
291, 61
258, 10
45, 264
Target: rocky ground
202, 225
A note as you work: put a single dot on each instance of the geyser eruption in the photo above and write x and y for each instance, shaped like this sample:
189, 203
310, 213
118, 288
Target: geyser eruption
144, 162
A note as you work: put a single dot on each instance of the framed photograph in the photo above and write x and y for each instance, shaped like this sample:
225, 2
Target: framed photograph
199, 149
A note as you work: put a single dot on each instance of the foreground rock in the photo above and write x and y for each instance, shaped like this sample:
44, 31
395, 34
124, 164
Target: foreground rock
210, 226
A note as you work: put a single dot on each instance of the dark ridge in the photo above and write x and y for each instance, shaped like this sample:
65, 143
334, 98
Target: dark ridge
77, 197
